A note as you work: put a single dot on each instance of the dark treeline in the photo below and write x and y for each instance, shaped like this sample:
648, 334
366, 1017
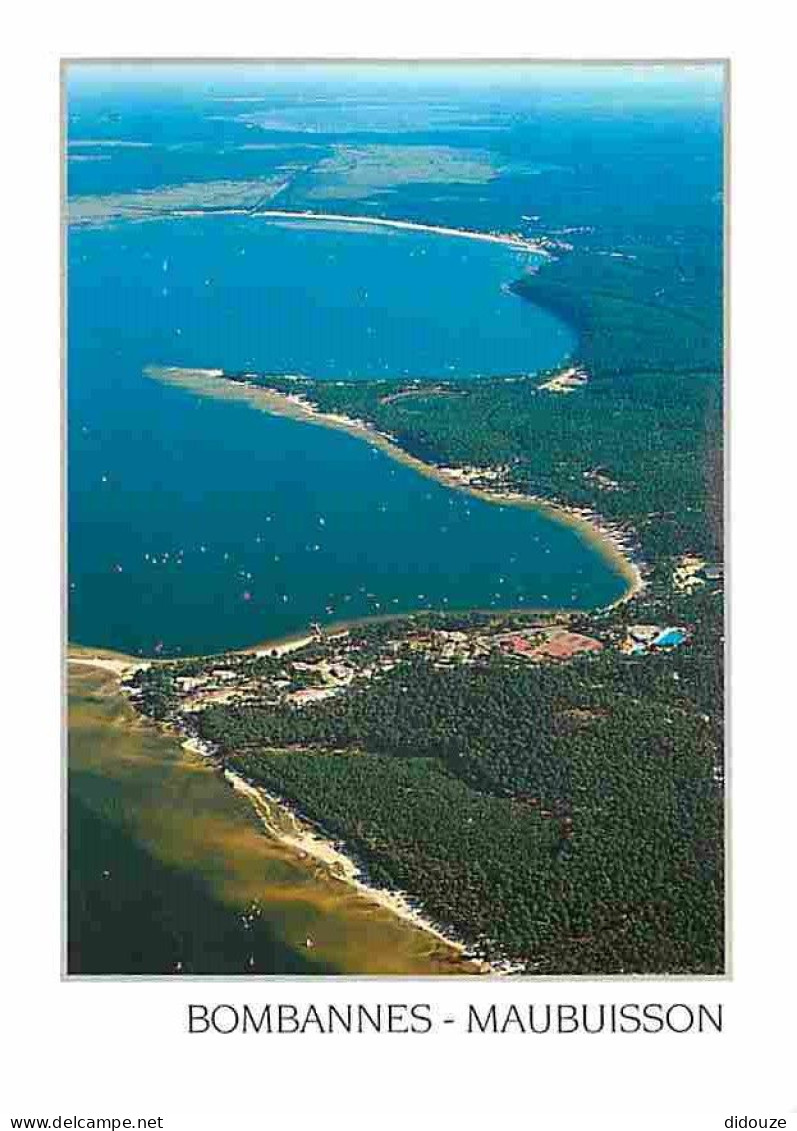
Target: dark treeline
646, 308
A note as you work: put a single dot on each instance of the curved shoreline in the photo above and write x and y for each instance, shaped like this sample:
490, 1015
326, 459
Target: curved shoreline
605, 537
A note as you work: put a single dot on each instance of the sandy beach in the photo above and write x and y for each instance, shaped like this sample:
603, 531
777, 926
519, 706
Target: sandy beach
121, 666
282, 647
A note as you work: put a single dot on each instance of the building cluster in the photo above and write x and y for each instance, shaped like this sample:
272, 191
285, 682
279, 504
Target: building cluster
550, 644
566, 381
330, 664
643, 638
601, 479
691, 572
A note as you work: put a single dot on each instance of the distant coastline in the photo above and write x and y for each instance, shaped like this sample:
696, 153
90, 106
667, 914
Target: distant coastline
609, 539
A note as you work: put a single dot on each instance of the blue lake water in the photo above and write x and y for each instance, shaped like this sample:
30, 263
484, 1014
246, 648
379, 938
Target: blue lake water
197, 524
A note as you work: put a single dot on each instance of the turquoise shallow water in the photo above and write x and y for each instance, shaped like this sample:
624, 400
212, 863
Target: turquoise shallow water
197, 525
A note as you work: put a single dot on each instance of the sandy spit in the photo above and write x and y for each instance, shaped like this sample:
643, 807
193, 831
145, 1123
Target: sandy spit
606, 537
521, 243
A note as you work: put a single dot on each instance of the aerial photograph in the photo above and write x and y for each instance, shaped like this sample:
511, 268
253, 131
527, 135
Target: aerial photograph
394, 492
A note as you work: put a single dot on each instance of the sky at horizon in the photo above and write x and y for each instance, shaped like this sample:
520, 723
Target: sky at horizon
637, 81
